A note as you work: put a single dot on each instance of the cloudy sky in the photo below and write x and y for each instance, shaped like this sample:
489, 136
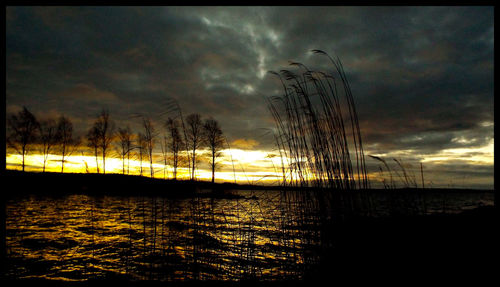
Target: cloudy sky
421, 77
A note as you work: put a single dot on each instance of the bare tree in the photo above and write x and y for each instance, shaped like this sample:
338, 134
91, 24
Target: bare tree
65, 138
214, 140
23, 132
125, 138
194, 135
141, 146
93, 142
48, 138
105, 130
149, 140
164, 152
175, 142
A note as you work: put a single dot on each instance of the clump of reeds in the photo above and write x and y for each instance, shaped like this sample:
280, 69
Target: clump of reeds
313, 138
391, 184
407, 177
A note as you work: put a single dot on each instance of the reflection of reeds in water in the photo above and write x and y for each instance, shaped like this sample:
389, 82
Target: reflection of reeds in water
312, 134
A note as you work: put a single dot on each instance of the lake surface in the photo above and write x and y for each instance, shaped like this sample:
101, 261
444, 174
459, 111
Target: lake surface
266, 235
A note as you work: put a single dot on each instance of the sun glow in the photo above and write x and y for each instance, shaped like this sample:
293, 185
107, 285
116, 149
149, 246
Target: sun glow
236, 165
481, 155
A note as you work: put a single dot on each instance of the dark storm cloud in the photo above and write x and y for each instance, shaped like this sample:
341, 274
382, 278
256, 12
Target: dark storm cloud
422, 77
413, 70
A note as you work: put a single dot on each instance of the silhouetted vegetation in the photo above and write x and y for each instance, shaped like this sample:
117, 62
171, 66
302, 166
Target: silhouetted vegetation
312, 137
22, 132
175, 143
104, 129
214, 140
93, 142
125, 146
141, 147
67, 144
164, 153
407, 176
195, 140
391, 184
48, 138
149, 137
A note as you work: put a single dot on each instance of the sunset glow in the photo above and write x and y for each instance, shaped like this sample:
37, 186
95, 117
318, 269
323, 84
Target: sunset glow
474, 156
238, 165
245, 163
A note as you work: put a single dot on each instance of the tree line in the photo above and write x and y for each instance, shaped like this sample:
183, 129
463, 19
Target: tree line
182, 140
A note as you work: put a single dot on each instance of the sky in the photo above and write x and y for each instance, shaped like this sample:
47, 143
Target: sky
421, 77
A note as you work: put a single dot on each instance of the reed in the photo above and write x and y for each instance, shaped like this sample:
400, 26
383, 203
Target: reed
392, 184
409, 179
316, 128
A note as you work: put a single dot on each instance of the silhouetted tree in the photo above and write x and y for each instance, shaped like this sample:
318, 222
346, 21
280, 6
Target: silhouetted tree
93, 142
48, 138
164, 152
194, 135
23, 132
175, 142
149, 140
125, 137
65, 138
105, 130
141, 146
173, 106
214, 140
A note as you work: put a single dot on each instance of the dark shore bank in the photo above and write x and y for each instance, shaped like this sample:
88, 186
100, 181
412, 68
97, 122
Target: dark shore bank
50, 183
17, 182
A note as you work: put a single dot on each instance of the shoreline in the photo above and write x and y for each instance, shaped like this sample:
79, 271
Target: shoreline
119, 184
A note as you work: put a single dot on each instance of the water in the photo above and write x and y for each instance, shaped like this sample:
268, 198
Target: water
267, 235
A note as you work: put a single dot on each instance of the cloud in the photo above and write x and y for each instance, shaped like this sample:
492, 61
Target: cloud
421, 77
86, 92
244, 143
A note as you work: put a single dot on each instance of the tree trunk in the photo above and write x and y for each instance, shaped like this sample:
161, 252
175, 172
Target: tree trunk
123, 163
151, 162
140, 159
45, 157
103, 161
62, 163
194, 160
213, 167
24, 151
96, 160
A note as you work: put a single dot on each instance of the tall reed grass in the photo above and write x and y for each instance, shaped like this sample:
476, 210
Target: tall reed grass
318, 130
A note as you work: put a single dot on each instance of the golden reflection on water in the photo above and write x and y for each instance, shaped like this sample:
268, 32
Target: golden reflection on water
269, 235
78, 237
